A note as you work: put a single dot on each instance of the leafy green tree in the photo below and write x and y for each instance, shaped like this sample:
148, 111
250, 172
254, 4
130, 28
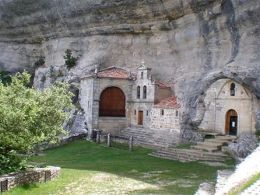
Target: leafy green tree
29, 116
70, 60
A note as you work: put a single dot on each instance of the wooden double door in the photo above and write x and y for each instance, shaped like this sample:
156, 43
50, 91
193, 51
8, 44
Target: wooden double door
112, 102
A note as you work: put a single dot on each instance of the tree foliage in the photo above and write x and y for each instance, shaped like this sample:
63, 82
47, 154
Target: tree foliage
70, 60
5, 76
29, 116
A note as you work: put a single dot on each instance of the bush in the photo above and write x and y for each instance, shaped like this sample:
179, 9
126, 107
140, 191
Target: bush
70, 61
39, 62
10, 161
29, 116
5, 77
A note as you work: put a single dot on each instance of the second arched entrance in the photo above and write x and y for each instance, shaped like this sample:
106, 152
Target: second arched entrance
231, 122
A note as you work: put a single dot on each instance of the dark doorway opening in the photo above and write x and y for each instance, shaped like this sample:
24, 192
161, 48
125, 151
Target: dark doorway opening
231, 122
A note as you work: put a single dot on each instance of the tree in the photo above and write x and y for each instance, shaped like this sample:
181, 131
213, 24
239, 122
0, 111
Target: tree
29, 116
70, 60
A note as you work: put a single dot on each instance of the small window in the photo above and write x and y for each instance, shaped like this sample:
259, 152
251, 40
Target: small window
147, 113
162, 112
135, 112
232, 89
177, 113
144, 92
138, 92
142, 75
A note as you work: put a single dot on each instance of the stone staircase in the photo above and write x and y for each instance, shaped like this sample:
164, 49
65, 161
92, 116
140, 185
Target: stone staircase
209, 150
151, 138
187, 155
214, 144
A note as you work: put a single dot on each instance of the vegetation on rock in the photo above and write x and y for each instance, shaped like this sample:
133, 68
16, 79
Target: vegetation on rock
70, 60
39, 62
28, 117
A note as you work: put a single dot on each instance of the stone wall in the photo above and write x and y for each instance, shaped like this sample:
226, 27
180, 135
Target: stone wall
36, 175
112, 124
144, 106
90, 91
169, 119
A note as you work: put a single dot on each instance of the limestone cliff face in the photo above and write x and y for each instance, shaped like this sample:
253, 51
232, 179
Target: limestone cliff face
189, 43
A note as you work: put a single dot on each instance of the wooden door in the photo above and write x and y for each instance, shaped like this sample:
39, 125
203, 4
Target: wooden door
112, 102
140, 117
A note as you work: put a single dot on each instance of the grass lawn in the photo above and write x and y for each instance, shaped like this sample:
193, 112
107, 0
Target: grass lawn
88, 168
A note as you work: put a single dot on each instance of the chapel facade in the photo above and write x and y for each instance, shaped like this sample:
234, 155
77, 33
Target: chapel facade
229, 109
115, 98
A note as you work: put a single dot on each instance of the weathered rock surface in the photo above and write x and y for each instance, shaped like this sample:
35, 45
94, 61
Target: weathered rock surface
189, 43
245, 145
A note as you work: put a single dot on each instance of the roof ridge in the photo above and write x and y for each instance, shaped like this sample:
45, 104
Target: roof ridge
111, 67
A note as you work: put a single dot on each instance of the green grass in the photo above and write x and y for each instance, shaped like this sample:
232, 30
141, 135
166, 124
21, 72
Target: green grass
91, 168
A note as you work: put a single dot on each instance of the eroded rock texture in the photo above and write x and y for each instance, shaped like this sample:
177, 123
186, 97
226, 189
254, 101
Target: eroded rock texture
189, 43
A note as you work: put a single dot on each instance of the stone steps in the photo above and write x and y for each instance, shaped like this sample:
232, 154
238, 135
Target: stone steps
223, 142
207, 143
209, 150
189, 155
214, 144
206, 148
226, 137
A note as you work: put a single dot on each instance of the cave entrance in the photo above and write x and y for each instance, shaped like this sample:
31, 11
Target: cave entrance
231, 122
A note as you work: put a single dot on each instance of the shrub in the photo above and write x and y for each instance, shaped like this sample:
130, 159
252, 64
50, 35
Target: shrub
29, 116
39, 62
70, 60
10, 161
5, 77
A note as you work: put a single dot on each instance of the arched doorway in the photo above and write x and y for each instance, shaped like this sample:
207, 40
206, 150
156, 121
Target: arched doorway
112, 102
231, 122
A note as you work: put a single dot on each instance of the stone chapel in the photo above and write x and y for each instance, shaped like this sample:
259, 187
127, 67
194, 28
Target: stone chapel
115, 98
229, 108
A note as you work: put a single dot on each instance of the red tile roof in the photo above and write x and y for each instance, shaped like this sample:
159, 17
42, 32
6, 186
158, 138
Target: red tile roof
114, 72
170, 102
162, 85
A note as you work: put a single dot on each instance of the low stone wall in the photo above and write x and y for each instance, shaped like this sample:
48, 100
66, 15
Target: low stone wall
36, 175
112, 124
